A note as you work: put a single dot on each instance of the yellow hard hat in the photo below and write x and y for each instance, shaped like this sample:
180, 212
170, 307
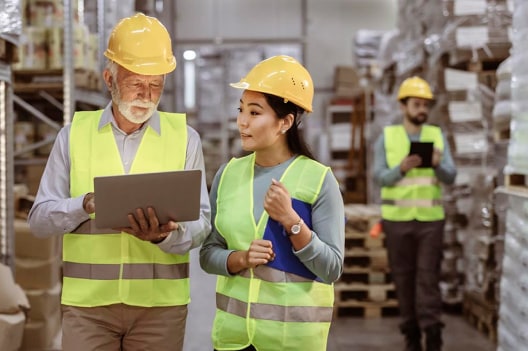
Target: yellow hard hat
415, 87
142, 45
282, 76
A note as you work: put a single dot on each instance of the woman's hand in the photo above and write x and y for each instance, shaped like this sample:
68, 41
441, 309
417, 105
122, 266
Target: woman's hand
259, 252
278, 203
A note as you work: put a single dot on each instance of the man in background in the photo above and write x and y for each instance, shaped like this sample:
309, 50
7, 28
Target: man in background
413, 213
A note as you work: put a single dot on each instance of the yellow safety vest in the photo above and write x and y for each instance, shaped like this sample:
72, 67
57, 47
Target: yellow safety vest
418, 195
107, 268
269, 308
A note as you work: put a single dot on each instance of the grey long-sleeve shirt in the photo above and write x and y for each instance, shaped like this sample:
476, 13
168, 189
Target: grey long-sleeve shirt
55, 212
323, 256
385, 176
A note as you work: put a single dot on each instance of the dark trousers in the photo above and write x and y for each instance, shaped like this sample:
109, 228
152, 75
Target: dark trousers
415, 254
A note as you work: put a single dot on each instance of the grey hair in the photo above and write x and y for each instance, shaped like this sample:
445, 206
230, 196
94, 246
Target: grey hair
112, 67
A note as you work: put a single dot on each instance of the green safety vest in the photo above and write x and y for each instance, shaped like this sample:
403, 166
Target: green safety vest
266, 307
102, 268
418, 195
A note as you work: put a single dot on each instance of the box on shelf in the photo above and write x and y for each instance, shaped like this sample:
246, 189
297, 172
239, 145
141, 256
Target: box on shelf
43, 302
32, 49
27, 246
11, 331
37, 274
346, 81
40, 335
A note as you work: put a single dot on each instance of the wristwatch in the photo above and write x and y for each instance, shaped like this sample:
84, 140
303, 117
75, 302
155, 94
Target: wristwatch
296, 228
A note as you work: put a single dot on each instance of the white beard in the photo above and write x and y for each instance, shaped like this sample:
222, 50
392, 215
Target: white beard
125, 108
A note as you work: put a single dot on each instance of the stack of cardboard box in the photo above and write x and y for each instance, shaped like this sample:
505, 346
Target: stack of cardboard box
38, 272
13, 304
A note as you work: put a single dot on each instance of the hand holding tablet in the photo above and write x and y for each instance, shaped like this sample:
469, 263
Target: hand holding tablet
174, 195
425, 151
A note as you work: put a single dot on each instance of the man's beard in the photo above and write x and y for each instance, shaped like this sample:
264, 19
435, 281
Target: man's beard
125, 107
418, 120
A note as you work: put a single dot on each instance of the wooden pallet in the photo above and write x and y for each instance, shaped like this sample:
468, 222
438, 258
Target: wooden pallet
516, 182
364, 292
479, 59
375, 259
365, 276
8, 51
360, 218
366, 309
481, 314
365, 241
501, 135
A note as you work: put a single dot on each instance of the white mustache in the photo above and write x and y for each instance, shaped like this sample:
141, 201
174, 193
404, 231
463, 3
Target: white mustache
142, 104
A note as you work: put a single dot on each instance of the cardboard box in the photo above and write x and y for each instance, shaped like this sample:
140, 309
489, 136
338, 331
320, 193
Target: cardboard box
43, 302
30, 247
11, 331
19, 190
37, 274
40, 335
32, 177
465, 111
346, 74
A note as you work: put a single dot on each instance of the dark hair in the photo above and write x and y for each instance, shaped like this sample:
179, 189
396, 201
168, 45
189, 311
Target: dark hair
404, 100
294, 136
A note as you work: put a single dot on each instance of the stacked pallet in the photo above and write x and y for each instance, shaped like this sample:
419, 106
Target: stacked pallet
365, 288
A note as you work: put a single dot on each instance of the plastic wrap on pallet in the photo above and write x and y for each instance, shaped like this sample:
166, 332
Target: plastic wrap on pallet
11, 21
387, 48
517, 160
512, 312
410, 56
366, 47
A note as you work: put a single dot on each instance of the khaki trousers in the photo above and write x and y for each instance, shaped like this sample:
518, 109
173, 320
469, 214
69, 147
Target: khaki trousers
123, 328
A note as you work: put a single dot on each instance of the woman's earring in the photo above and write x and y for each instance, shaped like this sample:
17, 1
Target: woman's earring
283, 131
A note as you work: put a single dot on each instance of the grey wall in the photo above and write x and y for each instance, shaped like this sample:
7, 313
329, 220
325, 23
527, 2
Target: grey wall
326, 27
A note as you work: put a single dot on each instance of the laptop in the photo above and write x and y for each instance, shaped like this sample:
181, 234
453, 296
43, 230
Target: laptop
175, 195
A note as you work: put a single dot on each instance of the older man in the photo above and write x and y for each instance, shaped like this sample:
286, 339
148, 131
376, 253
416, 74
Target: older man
129, 289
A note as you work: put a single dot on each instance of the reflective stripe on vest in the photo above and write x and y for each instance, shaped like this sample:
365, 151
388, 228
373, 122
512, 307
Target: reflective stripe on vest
130, 271
412, 203
418, 194
110, 267
268, 274
304, 314
279, 310
406, 181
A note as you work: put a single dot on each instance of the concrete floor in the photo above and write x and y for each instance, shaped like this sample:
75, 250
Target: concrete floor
347, 333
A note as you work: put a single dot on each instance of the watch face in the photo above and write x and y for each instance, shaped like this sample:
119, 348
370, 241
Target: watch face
296, 229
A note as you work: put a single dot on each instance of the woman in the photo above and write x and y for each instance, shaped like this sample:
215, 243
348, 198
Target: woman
278, 223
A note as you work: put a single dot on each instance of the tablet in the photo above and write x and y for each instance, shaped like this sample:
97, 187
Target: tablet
425, 151
175, 195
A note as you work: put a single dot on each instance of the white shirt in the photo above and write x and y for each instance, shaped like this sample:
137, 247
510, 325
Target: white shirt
55, 212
